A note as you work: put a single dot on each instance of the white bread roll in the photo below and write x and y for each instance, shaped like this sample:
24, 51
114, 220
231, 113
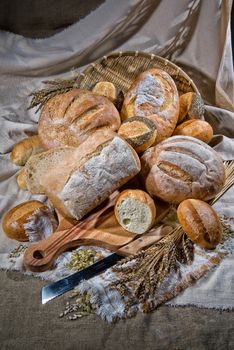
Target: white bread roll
88, 175
135, 211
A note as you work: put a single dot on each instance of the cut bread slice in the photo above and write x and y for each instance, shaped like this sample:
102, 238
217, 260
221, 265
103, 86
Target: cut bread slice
40, 164
135, 211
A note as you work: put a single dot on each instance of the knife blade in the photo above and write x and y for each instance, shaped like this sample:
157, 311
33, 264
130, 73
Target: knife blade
55, 289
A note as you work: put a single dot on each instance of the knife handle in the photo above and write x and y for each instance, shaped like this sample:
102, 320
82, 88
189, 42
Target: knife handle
144, 241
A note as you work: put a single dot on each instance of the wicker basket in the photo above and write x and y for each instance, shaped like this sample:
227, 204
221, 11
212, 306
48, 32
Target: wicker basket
121, 68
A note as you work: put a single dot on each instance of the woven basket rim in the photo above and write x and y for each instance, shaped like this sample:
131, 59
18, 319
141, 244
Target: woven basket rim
151, 56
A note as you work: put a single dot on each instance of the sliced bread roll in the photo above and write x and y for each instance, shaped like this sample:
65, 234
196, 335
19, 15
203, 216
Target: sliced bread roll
83, 179
135, 211
140, 132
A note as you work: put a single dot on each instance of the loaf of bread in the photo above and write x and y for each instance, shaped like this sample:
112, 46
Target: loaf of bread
135, 211
191, 106
153, 95
25, 148
14, 220
182, 167
140, 132
21, 180
68, 119
201, 223
87, 175
196, 128
106, 89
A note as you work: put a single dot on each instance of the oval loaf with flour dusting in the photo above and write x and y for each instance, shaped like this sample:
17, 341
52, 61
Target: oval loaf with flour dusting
182, 167
153, 95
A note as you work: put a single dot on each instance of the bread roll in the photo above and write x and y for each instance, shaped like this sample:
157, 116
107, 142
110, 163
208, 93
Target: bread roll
21, 180
182, 167
153, 95
201, 223
135, 211
14, 220
85, 177
106, 89
25, 148
191, 106
140, 132
196, 128
68, 119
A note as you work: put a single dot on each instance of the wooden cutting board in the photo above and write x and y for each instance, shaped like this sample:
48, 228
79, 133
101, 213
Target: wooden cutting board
100, 228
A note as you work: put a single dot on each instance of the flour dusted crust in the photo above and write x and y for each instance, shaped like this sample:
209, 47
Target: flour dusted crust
182, 167
154, 95
99, 166
68, 119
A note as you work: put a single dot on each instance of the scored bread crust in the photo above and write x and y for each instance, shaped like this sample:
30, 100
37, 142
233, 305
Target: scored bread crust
153, 95
182, 167
201, 222
68, 119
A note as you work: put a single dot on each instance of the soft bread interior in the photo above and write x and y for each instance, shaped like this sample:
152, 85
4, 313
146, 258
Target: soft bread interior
134, 215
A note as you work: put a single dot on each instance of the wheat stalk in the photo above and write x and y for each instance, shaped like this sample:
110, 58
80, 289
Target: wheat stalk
145, 271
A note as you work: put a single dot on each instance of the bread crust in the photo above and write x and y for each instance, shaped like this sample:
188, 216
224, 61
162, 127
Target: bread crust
201, 223
68, 119
106, 89
196, 128
15, 218
153, 95
191, 106
24, 149
140, 132
139, 196
182, 167
21, 180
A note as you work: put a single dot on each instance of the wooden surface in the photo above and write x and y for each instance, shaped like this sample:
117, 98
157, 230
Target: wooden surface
100, 228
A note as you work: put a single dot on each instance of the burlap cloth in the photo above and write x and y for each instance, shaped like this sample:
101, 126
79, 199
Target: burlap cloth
194, 34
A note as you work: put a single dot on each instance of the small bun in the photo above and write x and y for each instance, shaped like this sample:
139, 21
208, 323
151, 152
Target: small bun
21, 180
191, 105
140, 132
106, 89
14, 220
201, 223
24, 149
196, 128
135, 211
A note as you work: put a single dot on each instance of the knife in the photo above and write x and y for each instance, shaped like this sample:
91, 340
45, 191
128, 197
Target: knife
53, 290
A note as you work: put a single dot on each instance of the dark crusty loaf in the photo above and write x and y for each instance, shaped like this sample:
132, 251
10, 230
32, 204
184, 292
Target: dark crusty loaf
201, 222
182, 167
153, 95
191, 106
68, 119
140, 132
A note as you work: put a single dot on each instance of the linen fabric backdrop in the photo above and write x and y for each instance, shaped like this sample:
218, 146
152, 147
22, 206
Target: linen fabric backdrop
194, 34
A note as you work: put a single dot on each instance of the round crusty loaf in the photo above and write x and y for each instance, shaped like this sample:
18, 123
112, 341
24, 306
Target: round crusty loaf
140, 132
153, 95
68, 119
15, 218
182, 167
191, 106
135, 211
196, 128
201, 222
